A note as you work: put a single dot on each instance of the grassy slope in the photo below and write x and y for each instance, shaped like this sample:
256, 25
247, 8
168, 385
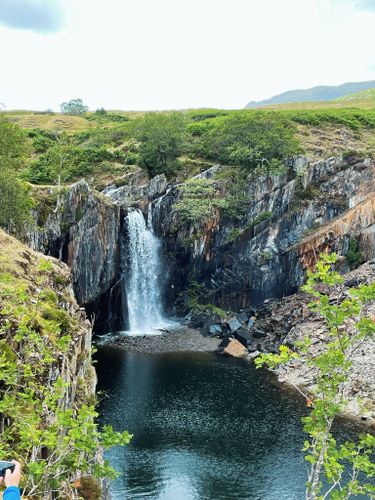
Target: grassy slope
360, 100
324, 129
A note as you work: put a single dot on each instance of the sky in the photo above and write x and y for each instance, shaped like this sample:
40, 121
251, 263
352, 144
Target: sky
178, 54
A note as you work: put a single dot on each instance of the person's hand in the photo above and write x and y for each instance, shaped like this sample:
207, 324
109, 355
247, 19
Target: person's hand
12, 478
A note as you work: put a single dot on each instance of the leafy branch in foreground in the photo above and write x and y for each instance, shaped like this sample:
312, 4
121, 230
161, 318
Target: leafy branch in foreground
336, 471
58, 444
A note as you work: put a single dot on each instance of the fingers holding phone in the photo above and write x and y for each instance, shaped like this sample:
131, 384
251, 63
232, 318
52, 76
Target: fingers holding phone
12, 478
10, 473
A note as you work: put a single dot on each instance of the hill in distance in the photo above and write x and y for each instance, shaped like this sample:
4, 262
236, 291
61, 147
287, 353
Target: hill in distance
320, 93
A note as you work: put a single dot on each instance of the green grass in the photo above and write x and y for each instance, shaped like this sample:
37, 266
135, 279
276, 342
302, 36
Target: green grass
364, 100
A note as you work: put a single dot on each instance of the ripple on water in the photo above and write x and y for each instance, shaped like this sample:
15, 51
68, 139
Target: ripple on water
204, 428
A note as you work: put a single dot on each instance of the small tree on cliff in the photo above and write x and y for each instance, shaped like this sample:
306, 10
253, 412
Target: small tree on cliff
336, 471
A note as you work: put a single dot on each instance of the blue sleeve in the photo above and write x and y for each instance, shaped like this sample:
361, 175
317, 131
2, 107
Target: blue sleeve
12, 493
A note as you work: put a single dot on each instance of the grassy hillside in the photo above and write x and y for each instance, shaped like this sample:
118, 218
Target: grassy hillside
106, 147
360, 100
314, 94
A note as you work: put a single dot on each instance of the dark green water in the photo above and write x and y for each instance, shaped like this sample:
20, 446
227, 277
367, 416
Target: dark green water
204, 427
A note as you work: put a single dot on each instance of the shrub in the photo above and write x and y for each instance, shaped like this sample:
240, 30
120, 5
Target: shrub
161, 139
70, 162
15, 201
56, 443
249, 139
353, 256
199, 201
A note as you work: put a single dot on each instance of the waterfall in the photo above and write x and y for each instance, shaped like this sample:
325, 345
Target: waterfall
144, 275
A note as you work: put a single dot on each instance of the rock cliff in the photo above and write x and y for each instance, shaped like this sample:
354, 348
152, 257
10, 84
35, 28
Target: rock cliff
81, 227
289, 220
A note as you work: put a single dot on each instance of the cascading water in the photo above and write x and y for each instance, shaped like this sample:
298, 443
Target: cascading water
143, 284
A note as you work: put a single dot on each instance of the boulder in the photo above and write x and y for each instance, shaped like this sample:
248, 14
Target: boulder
259, 334
242, 317
235, 349
215, 329
250, 323
225, 342
244, 337
233, 324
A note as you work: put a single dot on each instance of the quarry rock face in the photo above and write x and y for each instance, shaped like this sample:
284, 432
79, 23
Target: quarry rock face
82, 230
291, 218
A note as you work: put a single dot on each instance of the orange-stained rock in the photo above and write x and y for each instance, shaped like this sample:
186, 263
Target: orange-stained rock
235, 349
355, 221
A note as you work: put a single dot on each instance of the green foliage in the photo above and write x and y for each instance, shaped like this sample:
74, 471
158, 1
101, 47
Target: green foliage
42, 140
74, 107
15, 200
195, 292
249, 139
353, 256
265, 256
327, 458
233, 234
261, 217
12, 146
103, 116
70, 162
161, 139
56, 443
354, 119
199, 201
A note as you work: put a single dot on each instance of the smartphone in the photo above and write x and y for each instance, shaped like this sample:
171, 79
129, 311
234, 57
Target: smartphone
4, 466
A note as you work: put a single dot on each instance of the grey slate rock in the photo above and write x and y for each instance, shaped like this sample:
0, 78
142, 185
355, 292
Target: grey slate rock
244, 337
215, 329
250, 324
242, 317
259, 334
234, 324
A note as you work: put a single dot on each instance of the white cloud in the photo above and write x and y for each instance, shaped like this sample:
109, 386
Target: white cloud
165, 54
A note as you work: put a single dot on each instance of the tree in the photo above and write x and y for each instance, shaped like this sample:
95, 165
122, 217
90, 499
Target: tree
74, 107
249, 139
346, 467
15, 199
162, 137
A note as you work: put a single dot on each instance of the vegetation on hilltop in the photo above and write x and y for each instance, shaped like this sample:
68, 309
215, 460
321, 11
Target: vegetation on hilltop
107, 146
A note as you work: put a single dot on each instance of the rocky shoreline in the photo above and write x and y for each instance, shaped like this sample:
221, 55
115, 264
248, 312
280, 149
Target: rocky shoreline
289, 320
177, 339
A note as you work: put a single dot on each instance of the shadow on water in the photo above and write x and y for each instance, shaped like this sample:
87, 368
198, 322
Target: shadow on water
204, 427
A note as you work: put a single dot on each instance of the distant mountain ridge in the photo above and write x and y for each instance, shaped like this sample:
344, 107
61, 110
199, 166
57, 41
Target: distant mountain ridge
320, 93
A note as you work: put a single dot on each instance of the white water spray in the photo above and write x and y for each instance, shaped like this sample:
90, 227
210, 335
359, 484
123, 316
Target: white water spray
144, 276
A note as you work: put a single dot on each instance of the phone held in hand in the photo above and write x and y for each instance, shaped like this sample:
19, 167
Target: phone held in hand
4, 466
